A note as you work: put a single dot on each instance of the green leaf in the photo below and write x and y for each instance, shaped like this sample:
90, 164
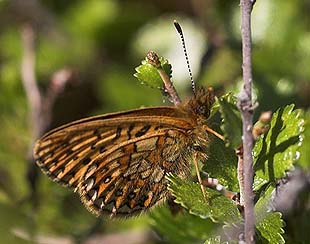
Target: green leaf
304, 149
277, 151
148, 74
268, 224
213, 240
230, 97
181, 227
232, 124
222, 164
270, 228
261, 206
218, 208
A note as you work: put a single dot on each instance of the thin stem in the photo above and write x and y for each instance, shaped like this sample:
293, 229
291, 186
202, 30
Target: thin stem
29, 79
34, 100
260, 127
40, 105
240, 171
246, 108
153, 59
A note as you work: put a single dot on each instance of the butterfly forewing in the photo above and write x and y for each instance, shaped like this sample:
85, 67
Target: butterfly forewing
117, 162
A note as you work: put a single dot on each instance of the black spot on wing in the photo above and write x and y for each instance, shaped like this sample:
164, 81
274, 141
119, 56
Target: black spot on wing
118, 133
131, 127
143, 130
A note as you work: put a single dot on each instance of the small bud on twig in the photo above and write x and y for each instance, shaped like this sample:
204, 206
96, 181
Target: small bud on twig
153, 59
262, 125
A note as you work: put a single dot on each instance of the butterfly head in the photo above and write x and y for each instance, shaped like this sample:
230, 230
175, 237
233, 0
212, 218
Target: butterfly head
200, 104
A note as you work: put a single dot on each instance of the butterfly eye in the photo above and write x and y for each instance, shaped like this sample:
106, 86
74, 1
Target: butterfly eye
207, 113
204, 111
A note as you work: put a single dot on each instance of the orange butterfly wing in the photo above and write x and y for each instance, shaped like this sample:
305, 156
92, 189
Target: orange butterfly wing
117, 162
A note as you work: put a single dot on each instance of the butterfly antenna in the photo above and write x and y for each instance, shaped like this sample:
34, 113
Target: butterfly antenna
179, 30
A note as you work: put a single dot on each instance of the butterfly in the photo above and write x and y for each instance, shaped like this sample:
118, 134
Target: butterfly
117, 162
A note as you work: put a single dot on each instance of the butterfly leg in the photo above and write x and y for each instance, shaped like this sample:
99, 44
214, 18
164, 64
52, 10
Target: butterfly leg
199, 178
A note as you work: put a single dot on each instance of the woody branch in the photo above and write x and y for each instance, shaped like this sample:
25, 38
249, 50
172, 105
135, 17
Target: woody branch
40, 105
246, 108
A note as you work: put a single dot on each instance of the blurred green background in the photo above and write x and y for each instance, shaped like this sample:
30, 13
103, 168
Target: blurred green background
101, 42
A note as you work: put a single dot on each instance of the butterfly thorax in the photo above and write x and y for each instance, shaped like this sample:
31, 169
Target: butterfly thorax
198, 107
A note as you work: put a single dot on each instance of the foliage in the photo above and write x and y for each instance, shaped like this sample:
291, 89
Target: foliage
231, 125
269, 224
101, 42
215, 206
277, 151
274, 153
147, 73
222, 164
304, 148
180, 226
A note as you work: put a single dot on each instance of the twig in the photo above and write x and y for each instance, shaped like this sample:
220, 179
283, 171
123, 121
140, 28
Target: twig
240, 171
153, 59
28, 77
246, 108
40, 107
261, 127
34, 100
